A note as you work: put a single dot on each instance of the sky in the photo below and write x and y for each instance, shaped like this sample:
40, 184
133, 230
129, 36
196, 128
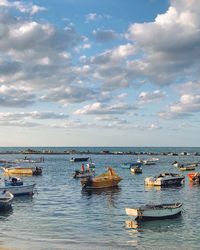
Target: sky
100, 73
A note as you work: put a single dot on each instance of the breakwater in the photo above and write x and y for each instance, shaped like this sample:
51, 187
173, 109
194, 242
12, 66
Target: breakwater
30, 151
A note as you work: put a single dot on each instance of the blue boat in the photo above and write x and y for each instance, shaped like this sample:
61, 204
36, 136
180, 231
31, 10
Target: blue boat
129, 165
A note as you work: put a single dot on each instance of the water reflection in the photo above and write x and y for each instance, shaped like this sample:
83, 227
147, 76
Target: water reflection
110, 193
5, 213
159, 188
23, 199
154, 225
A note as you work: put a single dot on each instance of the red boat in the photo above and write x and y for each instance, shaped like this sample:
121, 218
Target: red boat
194, 177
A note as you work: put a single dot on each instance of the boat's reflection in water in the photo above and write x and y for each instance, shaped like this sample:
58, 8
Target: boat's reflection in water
161, 188
6, 213
153, 225
110, 193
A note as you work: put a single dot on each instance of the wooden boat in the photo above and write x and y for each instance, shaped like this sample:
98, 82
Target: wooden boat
165, 180
5, 199
136, 170
23, 171
155, 212
83, 174
105, 180
194, 177
79, 159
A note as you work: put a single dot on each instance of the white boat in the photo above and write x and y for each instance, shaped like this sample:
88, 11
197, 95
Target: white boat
176, 164
165, 180
15, 186
5, 199
155, 212
149, 162
136, 170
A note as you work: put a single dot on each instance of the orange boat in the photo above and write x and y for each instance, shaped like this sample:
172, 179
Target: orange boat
105, 180
194, 177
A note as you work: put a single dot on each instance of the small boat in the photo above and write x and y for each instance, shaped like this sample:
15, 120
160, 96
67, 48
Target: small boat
194, 177
155, 212
128, 165
136, 170
105, 180
22, 171
13, 181
176, 164
16, 186
79, 159
83, 174
29, 160
187, 168
5, 199
165, 180
148, 162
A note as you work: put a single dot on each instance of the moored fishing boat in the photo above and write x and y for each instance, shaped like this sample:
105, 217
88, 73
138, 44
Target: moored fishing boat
155, 212
105, 180
187, 168
176, 164
136, 170
79, 159
165, 180
16, 186
128, 165
22, 170
5, 199
194, 177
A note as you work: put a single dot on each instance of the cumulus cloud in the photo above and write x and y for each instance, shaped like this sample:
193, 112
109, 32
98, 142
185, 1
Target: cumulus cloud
66, 95
22, 6
100, 108
188, 105
147, 97
12, 116
13, 96
94, 17
164, 59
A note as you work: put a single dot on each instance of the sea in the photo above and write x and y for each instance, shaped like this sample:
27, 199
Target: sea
60, 215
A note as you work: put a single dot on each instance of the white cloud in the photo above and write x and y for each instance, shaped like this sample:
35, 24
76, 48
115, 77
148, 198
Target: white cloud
148, 97
22, 6
170, 45
100, 108
13, 96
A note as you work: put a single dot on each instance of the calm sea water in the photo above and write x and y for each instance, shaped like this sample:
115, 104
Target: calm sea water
61, 216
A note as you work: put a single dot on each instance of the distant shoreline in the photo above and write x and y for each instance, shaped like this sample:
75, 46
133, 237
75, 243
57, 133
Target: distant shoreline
102, 152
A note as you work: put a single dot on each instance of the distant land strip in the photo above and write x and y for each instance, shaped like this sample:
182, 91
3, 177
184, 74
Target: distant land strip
102, 152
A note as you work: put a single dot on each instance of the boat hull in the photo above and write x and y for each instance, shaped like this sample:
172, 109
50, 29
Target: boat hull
136, 170
5, 200
165, 180
19, 190
155, 213
103, 184
22, 171
79, 159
